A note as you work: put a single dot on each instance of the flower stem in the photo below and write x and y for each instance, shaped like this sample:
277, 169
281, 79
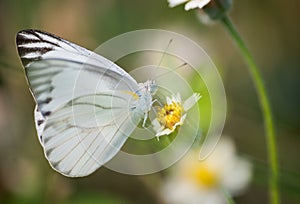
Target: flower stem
228, 197
266, 110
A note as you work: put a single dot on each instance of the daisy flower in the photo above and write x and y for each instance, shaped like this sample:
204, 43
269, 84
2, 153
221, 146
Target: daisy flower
190, 4
173, 114
204, 182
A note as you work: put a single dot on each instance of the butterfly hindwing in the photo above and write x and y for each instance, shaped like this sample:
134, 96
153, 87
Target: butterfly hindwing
87, 132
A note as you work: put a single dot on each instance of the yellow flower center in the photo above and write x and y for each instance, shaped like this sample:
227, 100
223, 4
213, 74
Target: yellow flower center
206, 177
170, 114
202, 174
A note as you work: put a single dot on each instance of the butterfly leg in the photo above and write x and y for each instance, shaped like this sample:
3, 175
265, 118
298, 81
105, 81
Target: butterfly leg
155, 100
145, 119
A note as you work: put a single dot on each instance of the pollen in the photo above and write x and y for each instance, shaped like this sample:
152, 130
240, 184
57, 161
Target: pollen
170, 115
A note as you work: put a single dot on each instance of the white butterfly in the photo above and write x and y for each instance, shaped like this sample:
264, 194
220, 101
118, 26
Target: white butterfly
86, 106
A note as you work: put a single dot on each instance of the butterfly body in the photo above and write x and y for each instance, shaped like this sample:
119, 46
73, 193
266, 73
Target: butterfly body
86, 106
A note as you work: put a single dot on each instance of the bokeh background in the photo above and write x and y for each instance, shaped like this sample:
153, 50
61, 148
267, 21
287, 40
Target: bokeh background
271, 30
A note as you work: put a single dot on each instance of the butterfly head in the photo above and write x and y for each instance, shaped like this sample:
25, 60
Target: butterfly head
149, 87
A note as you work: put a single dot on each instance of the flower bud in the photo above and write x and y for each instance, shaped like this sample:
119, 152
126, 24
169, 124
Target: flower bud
217, 9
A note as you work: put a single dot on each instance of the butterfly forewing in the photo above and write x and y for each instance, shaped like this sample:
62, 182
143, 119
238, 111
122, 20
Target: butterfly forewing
59, 70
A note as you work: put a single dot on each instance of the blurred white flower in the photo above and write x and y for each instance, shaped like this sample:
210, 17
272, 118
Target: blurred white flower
173, 114
204, 182
191, 4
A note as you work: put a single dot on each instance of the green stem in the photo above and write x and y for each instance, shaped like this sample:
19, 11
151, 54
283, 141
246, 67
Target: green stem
228, 197
266, 109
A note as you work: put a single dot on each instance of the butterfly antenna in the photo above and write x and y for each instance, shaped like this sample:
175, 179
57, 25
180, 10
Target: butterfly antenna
164, 53
178, 67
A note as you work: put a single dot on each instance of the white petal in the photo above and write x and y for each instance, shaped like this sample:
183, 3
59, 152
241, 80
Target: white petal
166, 131
223, 156
178, 191
169, 100
177, 98
181, 121
196, 4
238, 177
173, 3
190, 102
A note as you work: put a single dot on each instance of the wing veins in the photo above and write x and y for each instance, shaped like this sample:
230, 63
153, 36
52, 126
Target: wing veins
108, 142
85, 151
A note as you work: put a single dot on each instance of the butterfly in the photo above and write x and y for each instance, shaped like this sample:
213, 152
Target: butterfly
86, 105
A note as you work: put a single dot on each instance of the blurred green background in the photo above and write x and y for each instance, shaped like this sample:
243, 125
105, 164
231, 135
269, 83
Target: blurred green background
271, 30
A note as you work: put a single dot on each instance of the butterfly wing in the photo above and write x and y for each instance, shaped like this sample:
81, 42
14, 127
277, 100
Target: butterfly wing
65, 70
60, 74
87, 132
